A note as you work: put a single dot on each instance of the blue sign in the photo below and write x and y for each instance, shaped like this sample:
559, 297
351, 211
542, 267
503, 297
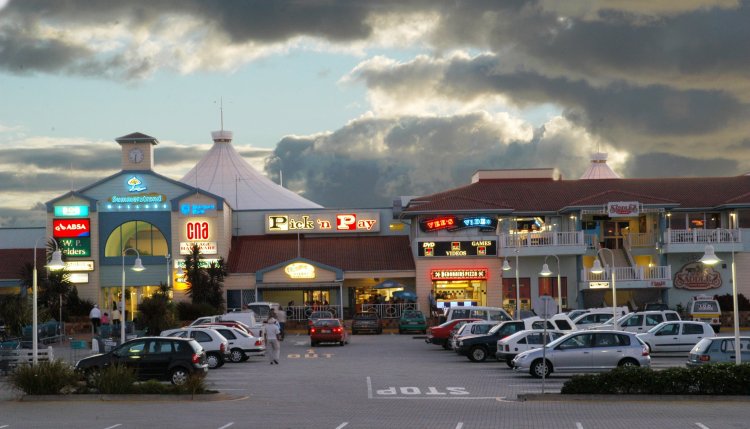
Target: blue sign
136, 185
481, 222
196, 209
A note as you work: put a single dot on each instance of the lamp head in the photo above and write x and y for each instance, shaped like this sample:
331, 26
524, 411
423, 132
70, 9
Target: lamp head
138, 265
709, 257
506, 265
545, 271
597, 268
56, 263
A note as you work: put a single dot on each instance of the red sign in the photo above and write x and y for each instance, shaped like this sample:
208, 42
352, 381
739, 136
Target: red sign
438, 223
459, 274
697, 276
196, 231
71, 228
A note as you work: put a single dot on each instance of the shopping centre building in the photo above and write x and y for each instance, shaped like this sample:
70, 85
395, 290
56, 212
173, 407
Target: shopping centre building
441, 250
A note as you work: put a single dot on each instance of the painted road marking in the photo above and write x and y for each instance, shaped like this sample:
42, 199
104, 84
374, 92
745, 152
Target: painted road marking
416, 392
111, 427
309, 354
579, 425
342, 425
3, 426
701, 425
227, 425
460, 425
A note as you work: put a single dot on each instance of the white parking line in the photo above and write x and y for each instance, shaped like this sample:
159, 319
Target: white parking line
701, 425
369, 388
111, 427
227, 425
460, 425
3, 426
579, 425
342, 425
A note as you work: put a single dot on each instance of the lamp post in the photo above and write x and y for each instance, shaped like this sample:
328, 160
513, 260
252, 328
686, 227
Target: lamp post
546, 273
55, 264
506, 267
169, 272
597, 269
137, 266
710, 258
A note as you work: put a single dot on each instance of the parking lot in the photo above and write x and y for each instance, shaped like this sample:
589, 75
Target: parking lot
377, 381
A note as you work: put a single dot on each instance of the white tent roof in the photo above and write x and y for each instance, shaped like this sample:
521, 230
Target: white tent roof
599, 168
223, 171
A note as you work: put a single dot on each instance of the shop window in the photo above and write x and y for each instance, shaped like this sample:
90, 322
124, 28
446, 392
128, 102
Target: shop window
139, 235
548, 286
743, 219
697, 220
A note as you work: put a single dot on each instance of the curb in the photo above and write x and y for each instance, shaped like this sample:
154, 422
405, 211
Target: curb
558, 397
210, 397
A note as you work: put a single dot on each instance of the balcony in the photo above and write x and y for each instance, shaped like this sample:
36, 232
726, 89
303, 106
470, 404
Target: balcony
630, 277
543, 243
695, 240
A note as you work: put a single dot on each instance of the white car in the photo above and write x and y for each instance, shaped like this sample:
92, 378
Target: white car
679, 336
510, 346
594, 317
241, 344
640, 321
213, 343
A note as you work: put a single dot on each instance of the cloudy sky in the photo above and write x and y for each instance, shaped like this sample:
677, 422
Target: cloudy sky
360, 101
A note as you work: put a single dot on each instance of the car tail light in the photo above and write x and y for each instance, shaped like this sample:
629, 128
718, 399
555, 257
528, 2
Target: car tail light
644, 352
704, 358
337, 330
196, 358
222, 347
259, 342
507, 347
312, 330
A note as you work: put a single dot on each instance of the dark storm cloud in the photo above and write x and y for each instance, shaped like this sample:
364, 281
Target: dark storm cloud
20, 218
371, 161
667, 165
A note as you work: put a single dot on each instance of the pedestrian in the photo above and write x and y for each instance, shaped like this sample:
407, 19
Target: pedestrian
281, 317
115, 318
271, 335
96, 318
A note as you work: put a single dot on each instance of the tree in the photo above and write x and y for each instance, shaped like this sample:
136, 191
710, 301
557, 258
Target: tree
157, 312
205, 283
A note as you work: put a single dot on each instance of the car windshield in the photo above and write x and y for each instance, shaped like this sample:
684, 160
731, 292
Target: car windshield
553, 344
321, 315
366, 316
412, 314
620, 320
327, 322
496, 328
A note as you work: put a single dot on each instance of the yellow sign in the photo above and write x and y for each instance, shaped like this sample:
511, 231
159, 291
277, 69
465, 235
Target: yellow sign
598, 285
300, 270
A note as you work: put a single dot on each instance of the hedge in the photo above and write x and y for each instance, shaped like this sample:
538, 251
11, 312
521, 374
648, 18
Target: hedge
709, 379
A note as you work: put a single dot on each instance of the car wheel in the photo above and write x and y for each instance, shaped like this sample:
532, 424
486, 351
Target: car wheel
236, 355
539, 369
509, 362
341, 343
245, 358
179, 376
446, 346
313, 343
214, 360
477, 354
628, 363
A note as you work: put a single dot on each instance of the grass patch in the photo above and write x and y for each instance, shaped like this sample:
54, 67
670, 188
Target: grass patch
44, 378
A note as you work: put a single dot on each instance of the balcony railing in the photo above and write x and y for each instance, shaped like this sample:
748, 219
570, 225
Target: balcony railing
641, 239
390, 311
546, 238
303, 312
629, 274
702, 236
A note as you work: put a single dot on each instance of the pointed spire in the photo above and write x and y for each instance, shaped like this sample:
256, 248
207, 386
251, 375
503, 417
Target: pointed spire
599, 168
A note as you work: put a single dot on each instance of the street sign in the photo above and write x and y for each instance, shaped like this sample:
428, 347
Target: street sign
545, 306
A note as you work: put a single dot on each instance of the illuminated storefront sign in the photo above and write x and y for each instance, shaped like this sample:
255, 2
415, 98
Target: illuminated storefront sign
323, 222
459, 274
192, 209
300, 270
455, 223
71, 228
75, 247
71, 211
78, 277
197, 230
204, 247
136, 185
697, 276
152, 197
623, 208
457, 248
76, 266
203, 263
598, 285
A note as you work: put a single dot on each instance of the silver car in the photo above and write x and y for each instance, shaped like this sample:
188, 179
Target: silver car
585, 351
718, 349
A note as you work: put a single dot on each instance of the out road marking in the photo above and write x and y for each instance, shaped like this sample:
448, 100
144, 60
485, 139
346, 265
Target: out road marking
701, 425
111, 427
460, 425
579, 425
227, 425
342, 425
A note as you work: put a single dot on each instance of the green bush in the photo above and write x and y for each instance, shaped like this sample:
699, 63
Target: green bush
44, 378
152, 387
190, 311
711, 379
156, 314
115, 379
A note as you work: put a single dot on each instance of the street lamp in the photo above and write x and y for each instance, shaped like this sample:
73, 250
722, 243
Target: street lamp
55, 264
597, 269
506, 267
546, 273
137, 266
710, 258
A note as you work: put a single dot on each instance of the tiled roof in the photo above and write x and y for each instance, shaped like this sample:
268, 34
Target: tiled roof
377, 253
555, 195
13, 260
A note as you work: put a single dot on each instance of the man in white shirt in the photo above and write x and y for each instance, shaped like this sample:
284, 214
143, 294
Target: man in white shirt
281, 318
271, 334
96, 317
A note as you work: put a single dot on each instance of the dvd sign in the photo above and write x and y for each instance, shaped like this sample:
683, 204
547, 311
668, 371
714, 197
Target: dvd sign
71, 228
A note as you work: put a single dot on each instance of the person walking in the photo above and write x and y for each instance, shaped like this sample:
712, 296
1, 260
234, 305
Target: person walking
96, 318
271, 335
281, 317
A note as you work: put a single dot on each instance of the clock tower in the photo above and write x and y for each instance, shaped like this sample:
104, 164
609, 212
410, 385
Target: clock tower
137, 151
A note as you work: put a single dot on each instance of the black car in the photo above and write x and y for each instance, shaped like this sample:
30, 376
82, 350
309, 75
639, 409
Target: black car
478, 347
160, 358
367, 322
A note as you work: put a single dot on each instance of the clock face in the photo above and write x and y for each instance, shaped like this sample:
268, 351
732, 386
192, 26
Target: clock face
136, 155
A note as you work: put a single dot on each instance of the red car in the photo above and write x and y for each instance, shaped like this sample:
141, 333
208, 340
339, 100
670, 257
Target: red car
441, 334
328, 331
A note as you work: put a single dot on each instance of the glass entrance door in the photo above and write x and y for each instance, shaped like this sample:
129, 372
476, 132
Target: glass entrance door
614, 232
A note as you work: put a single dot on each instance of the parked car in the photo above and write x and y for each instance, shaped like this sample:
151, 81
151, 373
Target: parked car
328, 331
262, 309
214, 344
621, 311
158, 358
412, 320
230, 323
679, 336
247, 317
315, 315
704, 308
718, 350
510, 346
640, 321
591, 318
585, 351
440, 335
496, 314
471, 328
241, 344
367, 321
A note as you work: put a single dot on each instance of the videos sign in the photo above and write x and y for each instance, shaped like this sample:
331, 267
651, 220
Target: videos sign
457, 248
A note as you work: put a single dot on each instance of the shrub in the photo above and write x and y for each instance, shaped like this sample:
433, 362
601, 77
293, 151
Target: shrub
190, 311
152, 387
44, 378
156, 314
711, 379
115, 379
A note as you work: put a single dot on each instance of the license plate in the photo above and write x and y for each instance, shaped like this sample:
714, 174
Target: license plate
325, 331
